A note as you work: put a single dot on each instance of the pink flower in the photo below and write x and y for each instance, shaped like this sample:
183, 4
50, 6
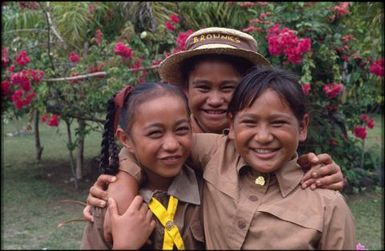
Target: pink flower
377, 67
54, 121
22, 59
11, 68
122, 50
73, 57
306, 88
364, 117
247, 4
37, 75
360, 132
91, 8
285, 42
175, 19
170, 26
181, 39
21, 79
341, 9
371, 123
44, 118
5, 87
98, 36
332, 90
4, 57
360, 247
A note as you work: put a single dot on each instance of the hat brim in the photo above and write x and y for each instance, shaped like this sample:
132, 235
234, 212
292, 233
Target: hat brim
170, 68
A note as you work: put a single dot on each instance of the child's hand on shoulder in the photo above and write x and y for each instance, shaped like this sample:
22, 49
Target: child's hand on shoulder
131, 229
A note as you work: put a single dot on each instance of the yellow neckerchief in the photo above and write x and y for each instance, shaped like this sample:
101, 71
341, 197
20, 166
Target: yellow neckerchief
166, 217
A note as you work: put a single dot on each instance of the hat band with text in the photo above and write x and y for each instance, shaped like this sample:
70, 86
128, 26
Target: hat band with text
219, 38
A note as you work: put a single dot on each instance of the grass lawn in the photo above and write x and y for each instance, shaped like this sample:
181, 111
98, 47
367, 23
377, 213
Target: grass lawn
32, 193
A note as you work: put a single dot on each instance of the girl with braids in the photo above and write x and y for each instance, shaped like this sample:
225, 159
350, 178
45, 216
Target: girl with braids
154, 126
252, 196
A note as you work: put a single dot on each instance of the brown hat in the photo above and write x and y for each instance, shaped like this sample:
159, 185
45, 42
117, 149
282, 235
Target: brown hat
213, 40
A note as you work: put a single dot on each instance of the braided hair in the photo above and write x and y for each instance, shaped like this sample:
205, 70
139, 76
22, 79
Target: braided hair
109, 159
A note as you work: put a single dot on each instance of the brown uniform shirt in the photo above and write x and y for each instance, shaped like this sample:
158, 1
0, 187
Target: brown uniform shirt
186, 187
239, 214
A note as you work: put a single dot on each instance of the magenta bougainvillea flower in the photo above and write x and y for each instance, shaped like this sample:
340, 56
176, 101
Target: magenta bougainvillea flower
122, 50
360, 132
22, 59
73, 57
377, 67
332, 90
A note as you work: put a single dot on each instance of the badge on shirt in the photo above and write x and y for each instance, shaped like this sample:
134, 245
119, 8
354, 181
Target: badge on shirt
260, 181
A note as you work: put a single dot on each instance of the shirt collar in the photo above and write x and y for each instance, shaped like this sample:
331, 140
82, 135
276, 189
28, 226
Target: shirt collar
288, 177
184, 187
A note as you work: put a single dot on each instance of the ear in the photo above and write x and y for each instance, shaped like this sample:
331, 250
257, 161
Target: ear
125, 139
303, 127
231, 134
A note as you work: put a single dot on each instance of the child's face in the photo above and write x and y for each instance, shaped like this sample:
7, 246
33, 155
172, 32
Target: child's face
210, 88
160, 136
267, 134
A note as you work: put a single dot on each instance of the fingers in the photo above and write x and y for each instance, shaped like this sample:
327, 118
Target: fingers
98, 193
136, 203
95, 202
104, 179
305, 160
112, 207
87, 213
324, 158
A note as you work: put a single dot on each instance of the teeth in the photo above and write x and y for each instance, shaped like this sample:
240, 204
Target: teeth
263, 150
215, 112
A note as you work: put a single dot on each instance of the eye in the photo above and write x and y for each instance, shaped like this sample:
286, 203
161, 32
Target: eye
155, 134
203, 88
228, 88
182, 130
278, 123
248, 122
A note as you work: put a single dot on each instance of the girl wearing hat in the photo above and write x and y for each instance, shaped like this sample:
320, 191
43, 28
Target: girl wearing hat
252, 197
208, 71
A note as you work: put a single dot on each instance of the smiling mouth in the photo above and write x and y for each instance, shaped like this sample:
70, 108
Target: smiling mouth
171, 160
264, 153
215, 112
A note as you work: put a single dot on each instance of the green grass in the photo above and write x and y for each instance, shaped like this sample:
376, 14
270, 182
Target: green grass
31, 192
31, 200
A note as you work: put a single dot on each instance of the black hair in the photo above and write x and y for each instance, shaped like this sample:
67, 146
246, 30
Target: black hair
241, 65
285, 83
109, 160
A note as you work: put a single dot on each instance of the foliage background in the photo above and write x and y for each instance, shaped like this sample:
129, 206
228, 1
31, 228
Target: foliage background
346, 41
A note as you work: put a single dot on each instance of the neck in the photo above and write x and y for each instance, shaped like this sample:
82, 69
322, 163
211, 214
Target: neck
156, 182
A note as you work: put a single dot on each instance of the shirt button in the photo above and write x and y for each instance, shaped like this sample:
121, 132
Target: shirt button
241, 224
253, 198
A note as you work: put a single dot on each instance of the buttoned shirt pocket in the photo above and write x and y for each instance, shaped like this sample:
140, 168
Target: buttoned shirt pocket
196, 229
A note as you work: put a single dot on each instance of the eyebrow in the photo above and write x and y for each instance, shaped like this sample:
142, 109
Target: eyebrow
157, 124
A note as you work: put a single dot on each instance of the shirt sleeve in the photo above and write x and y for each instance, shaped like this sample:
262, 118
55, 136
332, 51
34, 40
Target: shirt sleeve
93, 235
128, 164
204, 145
339, 226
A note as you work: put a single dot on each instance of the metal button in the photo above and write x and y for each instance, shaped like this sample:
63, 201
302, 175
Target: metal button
253, 198
169, 225
260, 180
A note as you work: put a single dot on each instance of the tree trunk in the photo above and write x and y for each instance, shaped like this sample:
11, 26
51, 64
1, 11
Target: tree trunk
70, 149
80, 150
38, 147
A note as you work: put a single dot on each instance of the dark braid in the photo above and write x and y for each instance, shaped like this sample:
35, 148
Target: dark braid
108, 145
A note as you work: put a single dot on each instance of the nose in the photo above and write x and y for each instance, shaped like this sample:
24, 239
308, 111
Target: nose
263, 135
170, 143
215, 99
